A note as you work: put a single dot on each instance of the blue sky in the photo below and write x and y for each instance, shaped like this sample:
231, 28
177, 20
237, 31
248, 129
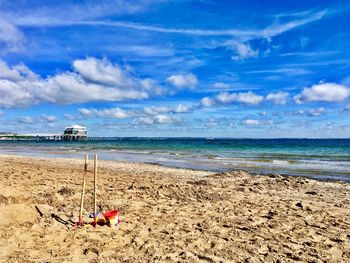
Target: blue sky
176, 68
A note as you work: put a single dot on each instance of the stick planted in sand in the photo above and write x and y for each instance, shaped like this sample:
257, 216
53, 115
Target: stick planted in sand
83, 191
95, 178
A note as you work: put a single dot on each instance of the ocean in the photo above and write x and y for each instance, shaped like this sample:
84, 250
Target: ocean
323, 159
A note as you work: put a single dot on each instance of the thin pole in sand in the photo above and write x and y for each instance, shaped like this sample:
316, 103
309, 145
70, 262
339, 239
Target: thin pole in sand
83, 191
95, 179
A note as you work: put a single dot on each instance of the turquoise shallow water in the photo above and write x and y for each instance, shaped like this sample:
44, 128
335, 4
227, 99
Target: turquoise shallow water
324, 159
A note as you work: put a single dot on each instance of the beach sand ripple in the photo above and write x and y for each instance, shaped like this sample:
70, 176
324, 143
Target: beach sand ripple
169, 215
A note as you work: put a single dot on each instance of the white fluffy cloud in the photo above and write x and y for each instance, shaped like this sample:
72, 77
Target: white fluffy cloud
154, 110
251, 122
11, 74
323, 92
207, 102
40, 119
72, 88
243, 51
183, 81
165, 119
158, 119
48, 118
103, 72
10, 36
317, 112
18, 86
255, 122
154, 113
241, 97
92, 80
26, 119
150, 86
279, 97
225, 98
312, 112
181, 108
115, 113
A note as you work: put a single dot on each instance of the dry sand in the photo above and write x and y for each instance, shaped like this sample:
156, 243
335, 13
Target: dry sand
169, 215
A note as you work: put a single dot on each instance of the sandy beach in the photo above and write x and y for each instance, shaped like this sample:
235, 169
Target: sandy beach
169, 215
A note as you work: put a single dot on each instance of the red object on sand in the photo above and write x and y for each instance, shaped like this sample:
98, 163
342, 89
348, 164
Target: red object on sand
111, 214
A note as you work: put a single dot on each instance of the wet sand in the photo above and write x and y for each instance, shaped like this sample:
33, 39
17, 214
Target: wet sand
169, 215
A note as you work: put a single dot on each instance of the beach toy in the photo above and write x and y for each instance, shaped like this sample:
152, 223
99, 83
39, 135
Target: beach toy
112, 217
92, 214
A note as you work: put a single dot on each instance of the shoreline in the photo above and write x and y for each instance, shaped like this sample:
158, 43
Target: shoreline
316, 175
168, 214
112, 164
